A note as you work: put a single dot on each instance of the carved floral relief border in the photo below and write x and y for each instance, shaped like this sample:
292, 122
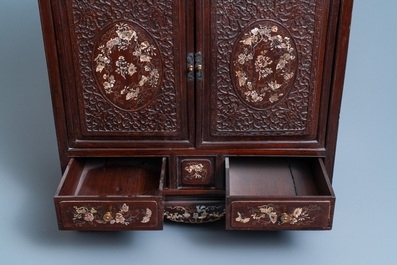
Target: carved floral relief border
87, 20
303, 20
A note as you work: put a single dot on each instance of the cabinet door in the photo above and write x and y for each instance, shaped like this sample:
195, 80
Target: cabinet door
263, 63
123, 65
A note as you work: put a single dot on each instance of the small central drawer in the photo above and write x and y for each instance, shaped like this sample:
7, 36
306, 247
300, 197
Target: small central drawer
111, 194
278, 194
196, 172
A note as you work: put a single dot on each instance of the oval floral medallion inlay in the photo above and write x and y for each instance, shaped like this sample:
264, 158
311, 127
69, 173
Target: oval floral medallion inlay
127, 65
264, 64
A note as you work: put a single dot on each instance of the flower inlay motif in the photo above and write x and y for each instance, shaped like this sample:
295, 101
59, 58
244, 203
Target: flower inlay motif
264, 64
127, 66
267, 214
94, 215
194, 215
196, 171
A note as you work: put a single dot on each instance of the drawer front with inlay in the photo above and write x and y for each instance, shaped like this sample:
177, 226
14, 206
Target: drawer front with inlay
278, 194
112, 194
110, 215
196, 171
276, 215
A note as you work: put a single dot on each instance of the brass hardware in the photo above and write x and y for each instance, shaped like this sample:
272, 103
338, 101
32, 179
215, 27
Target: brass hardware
190, 66
285, 218
107, 217
199, 65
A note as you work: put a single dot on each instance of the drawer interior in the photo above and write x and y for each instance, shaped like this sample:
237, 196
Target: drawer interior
107, 177
257, 176
111, 194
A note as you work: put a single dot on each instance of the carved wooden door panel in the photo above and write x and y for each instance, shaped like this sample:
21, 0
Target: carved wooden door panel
125, 62
263, 70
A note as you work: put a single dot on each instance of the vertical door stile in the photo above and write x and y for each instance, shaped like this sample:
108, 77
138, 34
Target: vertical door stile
202, 12
190, 50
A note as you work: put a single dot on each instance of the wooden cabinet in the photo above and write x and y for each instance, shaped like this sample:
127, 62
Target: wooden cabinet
172, 108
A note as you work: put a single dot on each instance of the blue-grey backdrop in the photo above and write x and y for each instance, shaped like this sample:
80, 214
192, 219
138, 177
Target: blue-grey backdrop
365, 180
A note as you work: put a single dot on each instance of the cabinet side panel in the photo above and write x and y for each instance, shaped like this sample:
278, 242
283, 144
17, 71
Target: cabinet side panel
49, 38
345, 16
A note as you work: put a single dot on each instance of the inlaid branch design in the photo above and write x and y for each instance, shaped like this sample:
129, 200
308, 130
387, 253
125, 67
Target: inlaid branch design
149, 109
267, 214
127, 65
264, 64
84, 215
194, 215
289, 114
196, 171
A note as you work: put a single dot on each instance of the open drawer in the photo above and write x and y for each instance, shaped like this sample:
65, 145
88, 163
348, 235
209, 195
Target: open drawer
278, 194
111, 194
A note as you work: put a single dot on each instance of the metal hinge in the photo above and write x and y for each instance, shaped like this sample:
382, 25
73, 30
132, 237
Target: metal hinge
199, 66
190, 67
195, 62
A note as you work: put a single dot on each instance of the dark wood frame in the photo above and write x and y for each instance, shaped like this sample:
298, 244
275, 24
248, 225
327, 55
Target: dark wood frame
194, 32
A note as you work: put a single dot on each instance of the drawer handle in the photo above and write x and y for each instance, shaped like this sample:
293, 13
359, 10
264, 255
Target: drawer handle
288, 218
107, 217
